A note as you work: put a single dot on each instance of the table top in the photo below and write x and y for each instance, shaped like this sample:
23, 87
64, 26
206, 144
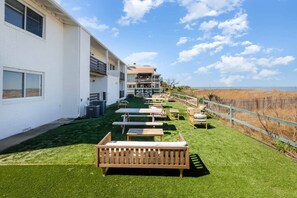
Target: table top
173, 110
136, 131
162, 99
139, 110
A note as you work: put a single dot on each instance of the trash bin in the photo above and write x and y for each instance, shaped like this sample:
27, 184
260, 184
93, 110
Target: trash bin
102, 104
93, 111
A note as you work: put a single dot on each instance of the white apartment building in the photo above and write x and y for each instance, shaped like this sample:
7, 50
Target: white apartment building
50, 66
143, 80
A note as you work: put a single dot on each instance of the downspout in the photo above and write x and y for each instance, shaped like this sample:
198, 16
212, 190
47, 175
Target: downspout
79, 99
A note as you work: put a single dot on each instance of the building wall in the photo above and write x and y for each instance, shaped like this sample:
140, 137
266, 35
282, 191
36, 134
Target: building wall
98, 85
22, 50
71, 72
84, 70
63, 59
113, 87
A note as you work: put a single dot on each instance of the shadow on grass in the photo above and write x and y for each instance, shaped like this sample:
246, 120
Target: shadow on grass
167, 133
80, 131
197, 169
167, 106
202, 126
170, 127
182, 118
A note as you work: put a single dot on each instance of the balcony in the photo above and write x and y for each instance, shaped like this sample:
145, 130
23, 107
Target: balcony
140, 80
97, 66
147, 80
122, 76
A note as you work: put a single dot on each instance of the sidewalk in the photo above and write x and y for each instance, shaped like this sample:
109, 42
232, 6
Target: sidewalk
21, 137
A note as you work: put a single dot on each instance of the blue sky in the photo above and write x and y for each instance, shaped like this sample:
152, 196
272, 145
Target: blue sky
199, 42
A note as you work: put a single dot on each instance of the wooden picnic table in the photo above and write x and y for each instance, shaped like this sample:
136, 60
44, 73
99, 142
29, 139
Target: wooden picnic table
127, 111
140, 111
137, 132
174, 113
155, 99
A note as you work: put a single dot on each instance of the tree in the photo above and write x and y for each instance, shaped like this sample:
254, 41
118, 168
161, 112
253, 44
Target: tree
171, 82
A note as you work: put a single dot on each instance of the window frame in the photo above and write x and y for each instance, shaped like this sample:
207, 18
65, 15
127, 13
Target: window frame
25, 72
24, 29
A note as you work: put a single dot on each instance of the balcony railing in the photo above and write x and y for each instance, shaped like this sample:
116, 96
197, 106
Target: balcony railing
147, 80
97, 66
122, 93
122, 76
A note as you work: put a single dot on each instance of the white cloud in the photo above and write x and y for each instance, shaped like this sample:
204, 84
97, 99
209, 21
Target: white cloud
76, 8
272, 61
239, 64
201, 70
141, 57
93, 23
217, 45
234, 26
235, 64
252, 49
187, 55
207, 26
254, 68
221, 38
265, 74
188, 27
268, 50
229, 80
282, 60
115, 32
246, 43
182, 40
230, 28
197, 9
218, 49
136, 9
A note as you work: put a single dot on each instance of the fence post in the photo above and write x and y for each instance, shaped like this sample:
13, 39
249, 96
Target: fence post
231, 116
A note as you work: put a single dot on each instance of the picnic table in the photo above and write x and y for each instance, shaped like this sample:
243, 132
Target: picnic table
174, 113
154, 99
127, 111
136, 132
138, 112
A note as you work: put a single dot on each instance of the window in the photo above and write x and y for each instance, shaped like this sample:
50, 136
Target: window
21, 84
23, 17
33, 85
34, 22
14, 13
112, 67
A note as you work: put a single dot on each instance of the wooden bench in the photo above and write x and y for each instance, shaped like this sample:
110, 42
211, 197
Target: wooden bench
137, 154
123, 124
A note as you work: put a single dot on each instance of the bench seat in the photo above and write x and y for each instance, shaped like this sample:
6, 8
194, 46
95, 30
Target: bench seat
138, 123
136, 154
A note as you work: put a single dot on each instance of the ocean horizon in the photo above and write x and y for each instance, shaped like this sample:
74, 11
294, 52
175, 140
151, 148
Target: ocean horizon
289, 88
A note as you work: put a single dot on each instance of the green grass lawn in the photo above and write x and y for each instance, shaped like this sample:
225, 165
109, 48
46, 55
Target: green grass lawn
224, 163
